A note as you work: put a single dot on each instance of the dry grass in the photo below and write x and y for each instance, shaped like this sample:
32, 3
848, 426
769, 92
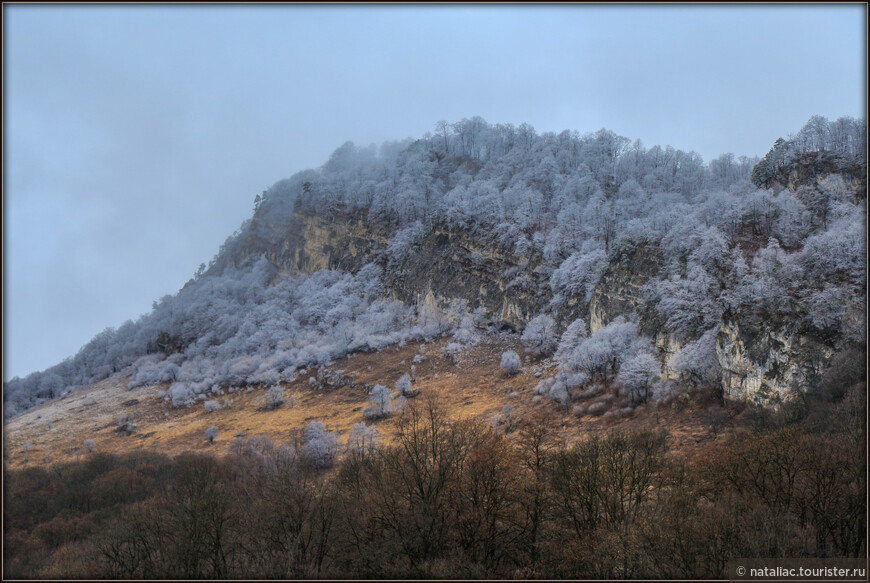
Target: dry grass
475, 386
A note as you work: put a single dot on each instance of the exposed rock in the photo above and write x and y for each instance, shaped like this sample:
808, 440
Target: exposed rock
764, 360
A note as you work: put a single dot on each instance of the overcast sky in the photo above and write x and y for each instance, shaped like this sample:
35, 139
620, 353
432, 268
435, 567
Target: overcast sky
135, 138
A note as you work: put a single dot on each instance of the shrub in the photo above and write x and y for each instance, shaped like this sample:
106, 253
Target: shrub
559, 394
403, 386
211, 434
319, 446
212, 406
90, 444
539, 337
597, 408
381, 402
273, 398
453, 350
510, 362
126, 425
543, 386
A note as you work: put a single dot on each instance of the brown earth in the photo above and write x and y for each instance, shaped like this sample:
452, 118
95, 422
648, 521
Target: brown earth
474, 386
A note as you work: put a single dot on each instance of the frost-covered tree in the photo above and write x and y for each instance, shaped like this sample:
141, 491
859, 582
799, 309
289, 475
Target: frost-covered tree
273, 398
571, 338
559, 394
381, 402
601, 355
90, 444
464, 333
637, 375
539, 337
403, 386
211, 434
319, 446
688, 304
697, 361
510, 362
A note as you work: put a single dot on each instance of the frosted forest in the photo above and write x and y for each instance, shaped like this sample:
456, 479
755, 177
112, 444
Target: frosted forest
730, 234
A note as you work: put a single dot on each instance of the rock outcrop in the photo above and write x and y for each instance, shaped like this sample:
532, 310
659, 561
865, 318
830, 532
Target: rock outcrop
763, 360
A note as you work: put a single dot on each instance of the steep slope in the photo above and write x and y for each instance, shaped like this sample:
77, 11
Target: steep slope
749, 292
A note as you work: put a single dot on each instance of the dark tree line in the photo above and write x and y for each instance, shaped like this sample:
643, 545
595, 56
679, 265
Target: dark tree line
453, 499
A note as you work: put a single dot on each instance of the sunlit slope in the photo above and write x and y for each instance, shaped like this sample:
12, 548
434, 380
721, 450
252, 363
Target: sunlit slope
472, 386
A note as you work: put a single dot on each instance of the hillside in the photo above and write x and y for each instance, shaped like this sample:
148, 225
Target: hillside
485, 354
471, 386
640, 270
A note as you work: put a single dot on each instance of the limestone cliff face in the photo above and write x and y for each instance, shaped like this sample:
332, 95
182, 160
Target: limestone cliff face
444, 266
766, 360
449, 265
306, 244
809, 169
620, 293
620, 289
762, 359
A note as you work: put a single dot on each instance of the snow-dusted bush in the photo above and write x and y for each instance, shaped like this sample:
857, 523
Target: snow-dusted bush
697, 361
90, 444
381, 402
212, 406
574, 380
126, 425
211, 434
319, 446
638, 374
453, 350
559, 394
403, 386
543, 386
539, 337
510, 362
273, 398
149, 372
464, 333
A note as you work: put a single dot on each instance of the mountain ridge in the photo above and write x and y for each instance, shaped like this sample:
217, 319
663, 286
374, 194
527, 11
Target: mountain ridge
501, 225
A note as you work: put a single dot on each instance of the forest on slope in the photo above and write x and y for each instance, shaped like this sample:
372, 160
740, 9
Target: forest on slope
450, 499
771, 240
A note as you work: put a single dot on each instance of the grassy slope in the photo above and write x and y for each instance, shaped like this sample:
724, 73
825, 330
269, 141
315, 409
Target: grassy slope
474, 386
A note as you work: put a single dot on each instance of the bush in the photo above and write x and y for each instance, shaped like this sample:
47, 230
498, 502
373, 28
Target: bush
126, 425
381, 402
212, 406
510, 362
319, 446
539, 337
90, 444
211, 434
453, 350
403, 386
273, 398
559, 394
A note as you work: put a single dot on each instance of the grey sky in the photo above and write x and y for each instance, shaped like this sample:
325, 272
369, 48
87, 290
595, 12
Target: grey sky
135, 138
